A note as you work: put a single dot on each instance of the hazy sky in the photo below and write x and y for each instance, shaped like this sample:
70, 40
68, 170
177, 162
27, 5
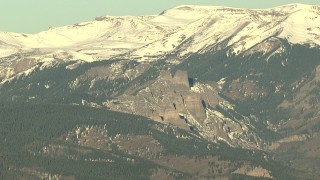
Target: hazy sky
31, 16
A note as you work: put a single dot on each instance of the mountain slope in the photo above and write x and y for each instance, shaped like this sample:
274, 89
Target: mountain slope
201, 25
234, 80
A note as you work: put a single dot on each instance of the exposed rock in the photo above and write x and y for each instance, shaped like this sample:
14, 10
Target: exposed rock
181, 78
290, 139
294, 138
173, 117
162, 101
318, 73
253, 171
170, 100
210, 100
207, 94
195, 106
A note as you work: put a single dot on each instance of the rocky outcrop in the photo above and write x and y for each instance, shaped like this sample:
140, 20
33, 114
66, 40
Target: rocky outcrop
170, 100
195, 106
162, 101
210, 100
172, 117
318, 73
171, 114
181, 78
287, 140
253, 171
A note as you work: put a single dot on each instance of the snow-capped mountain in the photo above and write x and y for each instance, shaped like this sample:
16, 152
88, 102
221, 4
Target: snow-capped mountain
234, 77
184, 29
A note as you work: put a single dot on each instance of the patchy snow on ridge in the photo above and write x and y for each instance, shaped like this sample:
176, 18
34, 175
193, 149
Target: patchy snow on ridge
72, 55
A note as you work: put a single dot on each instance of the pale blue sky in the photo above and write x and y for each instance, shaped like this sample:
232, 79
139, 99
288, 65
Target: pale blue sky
31, 16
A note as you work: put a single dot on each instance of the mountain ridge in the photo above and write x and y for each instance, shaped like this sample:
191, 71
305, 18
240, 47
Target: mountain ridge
209, 83
123, 34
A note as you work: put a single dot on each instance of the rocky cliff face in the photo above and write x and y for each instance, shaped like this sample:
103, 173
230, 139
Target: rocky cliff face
163, 101
196, 107
181, 78
171, 99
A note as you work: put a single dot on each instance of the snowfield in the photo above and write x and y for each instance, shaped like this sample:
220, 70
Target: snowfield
182, 30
